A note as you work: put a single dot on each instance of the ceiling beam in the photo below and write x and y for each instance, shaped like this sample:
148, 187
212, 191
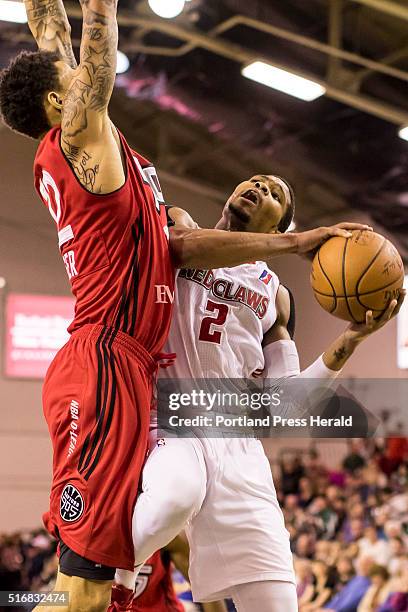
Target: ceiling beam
241, 55
335, 37
211, 42
387, 7
208, 40
310, 43
392, 58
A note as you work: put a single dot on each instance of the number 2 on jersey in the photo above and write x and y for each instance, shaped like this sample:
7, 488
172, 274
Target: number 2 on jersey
206, 333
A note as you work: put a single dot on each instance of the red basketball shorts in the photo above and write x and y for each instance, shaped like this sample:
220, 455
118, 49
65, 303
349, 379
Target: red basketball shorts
97, 399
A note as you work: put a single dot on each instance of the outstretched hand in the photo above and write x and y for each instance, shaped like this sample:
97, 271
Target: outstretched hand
309, 242
359, 331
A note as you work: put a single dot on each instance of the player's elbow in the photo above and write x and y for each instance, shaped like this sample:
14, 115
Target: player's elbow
183, 247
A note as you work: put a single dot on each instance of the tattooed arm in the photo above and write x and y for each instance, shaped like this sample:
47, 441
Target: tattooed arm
343, 347
50, 27
88, 141
337, 354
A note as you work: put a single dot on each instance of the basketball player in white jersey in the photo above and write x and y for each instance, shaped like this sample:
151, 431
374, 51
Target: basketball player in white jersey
232, 323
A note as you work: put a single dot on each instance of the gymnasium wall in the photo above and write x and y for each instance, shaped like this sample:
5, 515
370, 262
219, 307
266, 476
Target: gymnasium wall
30, 263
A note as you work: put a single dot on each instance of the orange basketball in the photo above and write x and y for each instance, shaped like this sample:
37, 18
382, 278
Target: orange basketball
352, 275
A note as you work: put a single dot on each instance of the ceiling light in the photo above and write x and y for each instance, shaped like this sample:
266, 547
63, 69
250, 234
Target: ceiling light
288, 82
403, 133
12, 11
122, 63
167, 8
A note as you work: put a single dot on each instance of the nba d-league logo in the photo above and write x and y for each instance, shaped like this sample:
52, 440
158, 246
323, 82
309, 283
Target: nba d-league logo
71, 504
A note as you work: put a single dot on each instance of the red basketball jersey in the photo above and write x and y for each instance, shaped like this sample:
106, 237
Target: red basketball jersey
114, 247
154, 587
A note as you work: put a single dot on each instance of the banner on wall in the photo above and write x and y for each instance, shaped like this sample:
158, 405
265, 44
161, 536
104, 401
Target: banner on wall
36, 328
402, 356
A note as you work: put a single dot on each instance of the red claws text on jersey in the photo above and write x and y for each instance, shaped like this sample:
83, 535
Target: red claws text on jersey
226, 290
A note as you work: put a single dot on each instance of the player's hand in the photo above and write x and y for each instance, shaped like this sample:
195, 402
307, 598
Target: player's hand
357, 332
309, 242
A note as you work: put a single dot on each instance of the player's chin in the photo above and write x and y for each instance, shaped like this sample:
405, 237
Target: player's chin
239, 213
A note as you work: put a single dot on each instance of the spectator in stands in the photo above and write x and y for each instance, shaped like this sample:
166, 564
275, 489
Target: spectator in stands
325, 551
398, 552
304, 580
314, 466
348, 599
325, 518
307, 492
378, 590
292, 471
400, 478
305, 546
371, 546
344, 572
354, 459
388, 462
323, 586
397, 601
353, 530
11, 565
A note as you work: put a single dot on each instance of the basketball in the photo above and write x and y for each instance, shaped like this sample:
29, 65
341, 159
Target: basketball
352, 275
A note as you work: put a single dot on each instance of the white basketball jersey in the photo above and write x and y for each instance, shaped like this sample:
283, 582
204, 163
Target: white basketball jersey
219, 321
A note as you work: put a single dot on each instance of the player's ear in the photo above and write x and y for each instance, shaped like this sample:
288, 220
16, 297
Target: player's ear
55, 100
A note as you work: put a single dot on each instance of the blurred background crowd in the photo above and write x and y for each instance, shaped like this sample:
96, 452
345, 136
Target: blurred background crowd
348, 527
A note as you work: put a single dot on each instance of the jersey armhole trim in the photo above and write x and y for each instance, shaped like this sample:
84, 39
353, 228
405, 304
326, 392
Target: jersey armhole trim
97, 195
291, 325
170, 221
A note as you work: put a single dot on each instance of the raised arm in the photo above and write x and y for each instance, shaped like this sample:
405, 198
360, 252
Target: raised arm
213, 248
88, 140
48, 22
281, 358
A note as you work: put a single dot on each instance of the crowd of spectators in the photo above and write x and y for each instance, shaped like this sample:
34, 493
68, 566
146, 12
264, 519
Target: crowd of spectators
28, 562
348, 528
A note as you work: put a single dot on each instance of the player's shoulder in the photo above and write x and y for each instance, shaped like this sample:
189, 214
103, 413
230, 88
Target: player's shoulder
267, 276
143, 161
50, 141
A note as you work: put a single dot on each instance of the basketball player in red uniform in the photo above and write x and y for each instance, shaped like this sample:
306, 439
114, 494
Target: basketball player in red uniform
112, 233
155, 590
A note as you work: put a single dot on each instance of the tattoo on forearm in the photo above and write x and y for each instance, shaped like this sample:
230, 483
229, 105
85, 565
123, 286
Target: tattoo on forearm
50, 27
82, 164
340, 353
92, 89
93, 33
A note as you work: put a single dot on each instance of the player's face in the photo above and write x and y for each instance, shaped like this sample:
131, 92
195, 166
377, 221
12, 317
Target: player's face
257, 205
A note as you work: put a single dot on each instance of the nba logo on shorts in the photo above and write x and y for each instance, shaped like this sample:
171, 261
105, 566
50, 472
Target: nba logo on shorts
265, 277
71, 504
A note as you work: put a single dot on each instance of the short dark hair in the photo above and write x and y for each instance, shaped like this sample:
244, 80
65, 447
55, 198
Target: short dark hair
287, 218
23, 85
379, 570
